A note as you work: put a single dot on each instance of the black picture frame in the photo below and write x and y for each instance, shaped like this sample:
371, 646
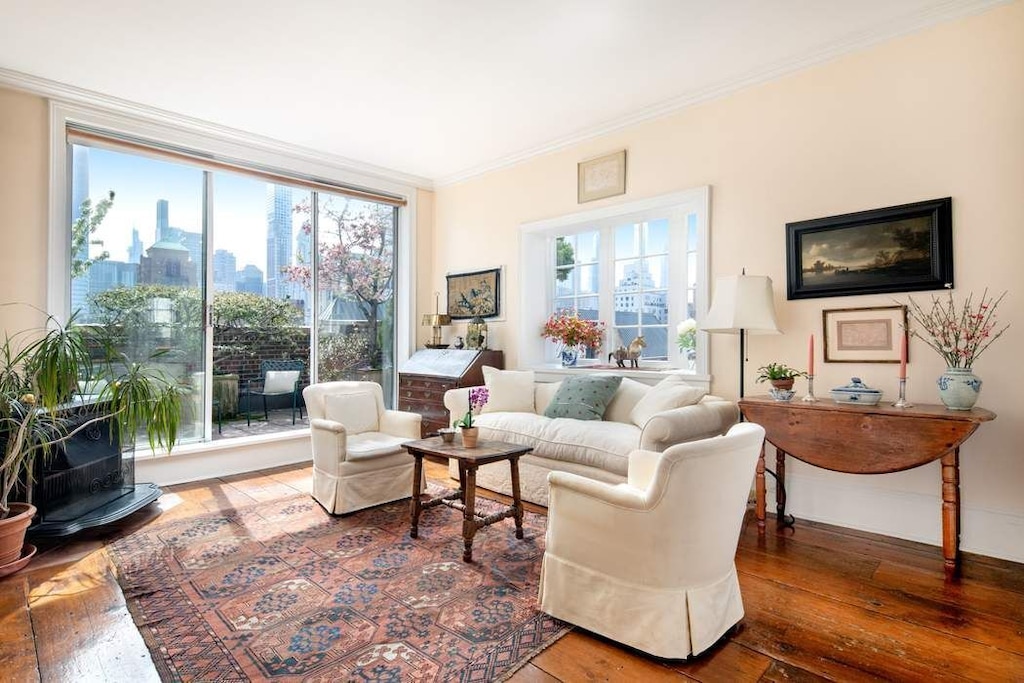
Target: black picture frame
904, 248
473, 294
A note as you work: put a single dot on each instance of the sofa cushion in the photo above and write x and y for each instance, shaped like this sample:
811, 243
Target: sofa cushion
672, 392
626, 397
542, 395
583, 397
357, 411
511, 391
605, 445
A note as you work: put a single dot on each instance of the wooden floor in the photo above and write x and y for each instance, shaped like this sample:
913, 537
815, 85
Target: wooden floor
821, 603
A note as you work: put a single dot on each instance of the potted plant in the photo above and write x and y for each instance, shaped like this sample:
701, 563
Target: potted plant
41, 407
478, 396
780, 375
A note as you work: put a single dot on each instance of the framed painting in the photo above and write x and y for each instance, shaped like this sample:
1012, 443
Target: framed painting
864, 335
474, 294
602, 177
903, 248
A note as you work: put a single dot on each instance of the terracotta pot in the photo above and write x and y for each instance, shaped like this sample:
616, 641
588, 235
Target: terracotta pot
785, 384
12, 531
469, 436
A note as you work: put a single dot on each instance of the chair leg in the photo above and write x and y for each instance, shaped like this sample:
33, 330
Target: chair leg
248, 410
266, 413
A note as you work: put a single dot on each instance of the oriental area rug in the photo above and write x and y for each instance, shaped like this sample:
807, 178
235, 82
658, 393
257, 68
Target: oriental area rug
284, 591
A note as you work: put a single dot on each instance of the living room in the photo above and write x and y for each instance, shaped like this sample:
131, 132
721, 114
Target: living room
929, 113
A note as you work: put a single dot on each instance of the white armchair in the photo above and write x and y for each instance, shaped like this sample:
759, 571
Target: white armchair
650, 563
358, 459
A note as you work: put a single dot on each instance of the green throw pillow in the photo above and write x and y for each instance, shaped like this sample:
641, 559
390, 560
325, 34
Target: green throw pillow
584, 397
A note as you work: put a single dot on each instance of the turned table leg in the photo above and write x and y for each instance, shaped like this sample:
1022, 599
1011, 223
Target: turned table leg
951, 512
517, 500
780, 486
415, 505
469, 525
759, 502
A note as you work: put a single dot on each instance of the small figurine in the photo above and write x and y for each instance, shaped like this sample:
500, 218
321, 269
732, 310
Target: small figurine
459, 344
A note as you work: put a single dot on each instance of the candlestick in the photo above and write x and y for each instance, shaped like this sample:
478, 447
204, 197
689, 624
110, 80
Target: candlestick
809, 398
903, 357
902, 401
810, 356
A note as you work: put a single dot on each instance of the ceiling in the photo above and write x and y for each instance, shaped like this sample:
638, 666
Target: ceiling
437, 89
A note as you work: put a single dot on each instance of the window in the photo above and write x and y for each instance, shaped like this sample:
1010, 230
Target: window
641, 268
210, 267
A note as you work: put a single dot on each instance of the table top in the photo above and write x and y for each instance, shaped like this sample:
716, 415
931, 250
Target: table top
485, 451
922, 410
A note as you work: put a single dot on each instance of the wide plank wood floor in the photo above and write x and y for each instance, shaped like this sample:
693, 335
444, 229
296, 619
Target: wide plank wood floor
822, 603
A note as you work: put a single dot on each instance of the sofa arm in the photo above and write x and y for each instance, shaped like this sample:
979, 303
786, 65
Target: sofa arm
457, 403
711, 417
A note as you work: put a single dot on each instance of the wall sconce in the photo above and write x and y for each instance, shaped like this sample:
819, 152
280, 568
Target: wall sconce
436, 321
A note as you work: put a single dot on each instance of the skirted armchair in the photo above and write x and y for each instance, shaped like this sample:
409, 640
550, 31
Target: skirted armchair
358, 459
650, 563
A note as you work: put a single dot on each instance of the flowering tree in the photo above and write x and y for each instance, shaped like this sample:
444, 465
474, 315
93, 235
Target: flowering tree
356, 249
88, 221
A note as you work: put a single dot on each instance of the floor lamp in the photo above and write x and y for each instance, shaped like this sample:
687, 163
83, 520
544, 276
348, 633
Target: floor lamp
742, 304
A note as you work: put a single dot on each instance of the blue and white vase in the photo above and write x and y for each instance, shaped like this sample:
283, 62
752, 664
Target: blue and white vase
569, 355
959, 388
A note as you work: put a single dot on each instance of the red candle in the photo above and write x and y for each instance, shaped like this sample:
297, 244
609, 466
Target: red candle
903, 357
810, 356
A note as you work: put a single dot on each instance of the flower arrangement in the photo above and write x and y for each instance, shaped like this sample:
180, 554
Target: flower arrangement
478, 396
686, 335
958, 333
569, 329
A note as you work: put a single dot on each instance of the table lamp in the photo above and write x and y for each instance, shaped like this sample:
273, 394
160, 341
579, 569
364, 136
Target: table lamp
742, 304
436, 321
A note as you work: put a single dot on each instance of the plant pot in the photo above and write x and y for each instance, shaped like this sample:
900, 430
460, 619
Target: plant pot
470, 436
785, 384
12, 531
569, 355
959, 388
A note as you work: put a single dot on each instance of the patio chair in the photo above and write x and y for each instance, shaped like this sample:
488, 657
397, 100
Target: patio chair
278, 378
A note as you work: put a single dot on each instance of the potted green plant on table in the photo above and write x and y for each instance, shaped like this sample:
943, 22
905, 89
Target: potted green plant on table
780, 375
41, 407
478, 396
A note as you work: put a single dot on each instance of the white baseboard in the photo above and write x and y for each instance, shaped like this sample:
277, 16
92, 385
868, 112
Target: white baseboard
224, 458
908, 515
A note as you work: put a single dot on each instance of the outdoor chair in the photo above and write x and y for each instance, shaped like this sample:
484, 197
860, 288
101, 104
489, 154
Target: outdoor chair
651, 563
278, 378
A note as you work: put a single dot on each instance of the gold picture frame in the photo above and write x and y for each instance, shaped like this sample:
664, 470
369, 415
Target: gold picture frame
864, 335
603, 176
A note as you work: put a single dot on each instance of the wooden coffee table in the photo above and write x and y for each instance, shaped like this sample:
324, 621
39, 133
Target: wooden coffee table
464, 499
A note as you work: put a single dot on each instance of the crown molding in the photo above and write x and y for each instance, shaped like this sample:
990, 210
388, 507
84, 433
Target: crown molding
62, 92
948, 11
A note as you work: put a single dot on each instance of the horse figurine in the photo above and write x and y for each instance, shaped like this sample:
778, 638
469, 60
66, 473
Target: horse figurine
632, 354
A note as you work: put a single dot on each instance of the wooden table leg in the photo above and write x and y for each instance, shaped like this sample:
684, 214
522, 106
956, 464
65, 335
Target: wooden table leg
759, 502
415, 505
469, 525
780, 486
517, 500
462, 482
951, 512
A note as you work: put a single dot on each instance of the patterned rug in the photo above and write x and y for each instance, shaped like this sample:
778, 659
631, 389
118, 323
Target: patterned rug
283, 591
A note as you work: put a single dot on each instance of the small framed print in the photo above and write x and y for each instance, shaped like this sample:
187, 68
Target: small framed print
602, 177
864, 335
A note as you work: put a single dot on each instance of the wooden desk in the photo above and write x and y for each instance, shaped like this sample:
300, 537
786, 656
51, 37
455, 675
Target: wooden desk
861, 439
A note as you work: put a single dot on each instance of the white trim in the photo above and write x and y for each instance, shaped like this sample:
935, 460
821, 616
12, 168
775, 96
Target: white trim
555, 373
535, 293
62, 93
853, 502
954, 9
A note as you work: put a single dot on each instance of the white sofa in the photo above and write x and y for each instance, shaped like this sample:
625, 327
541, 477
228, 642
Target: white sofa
598, 449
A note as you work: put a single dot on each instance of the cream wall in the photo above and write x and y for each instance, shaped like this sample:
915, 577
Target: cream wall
939, 113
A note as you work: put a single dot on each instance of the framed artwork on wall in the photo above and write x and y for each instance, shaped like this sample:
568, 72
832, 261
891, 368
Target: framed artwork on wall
896, 249
604, 176
473, 294
864, 335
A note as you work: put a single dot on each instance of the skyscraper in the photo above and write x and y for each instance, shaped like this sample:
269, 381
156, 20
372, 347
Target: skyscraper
279, 240
135, 250
162, 223
224, 267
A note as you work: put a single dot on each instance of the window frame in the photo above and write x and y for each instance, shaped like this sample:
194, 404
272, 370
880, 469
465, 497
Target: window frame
537, 256
217, 142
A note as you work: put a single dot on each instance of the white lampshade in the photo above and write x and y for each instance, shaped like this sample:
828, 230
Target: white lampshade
742, 302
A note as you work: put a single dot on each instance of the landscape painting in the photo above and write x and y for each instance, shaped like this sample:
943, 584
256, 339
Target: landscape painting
474, 294
896, 249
